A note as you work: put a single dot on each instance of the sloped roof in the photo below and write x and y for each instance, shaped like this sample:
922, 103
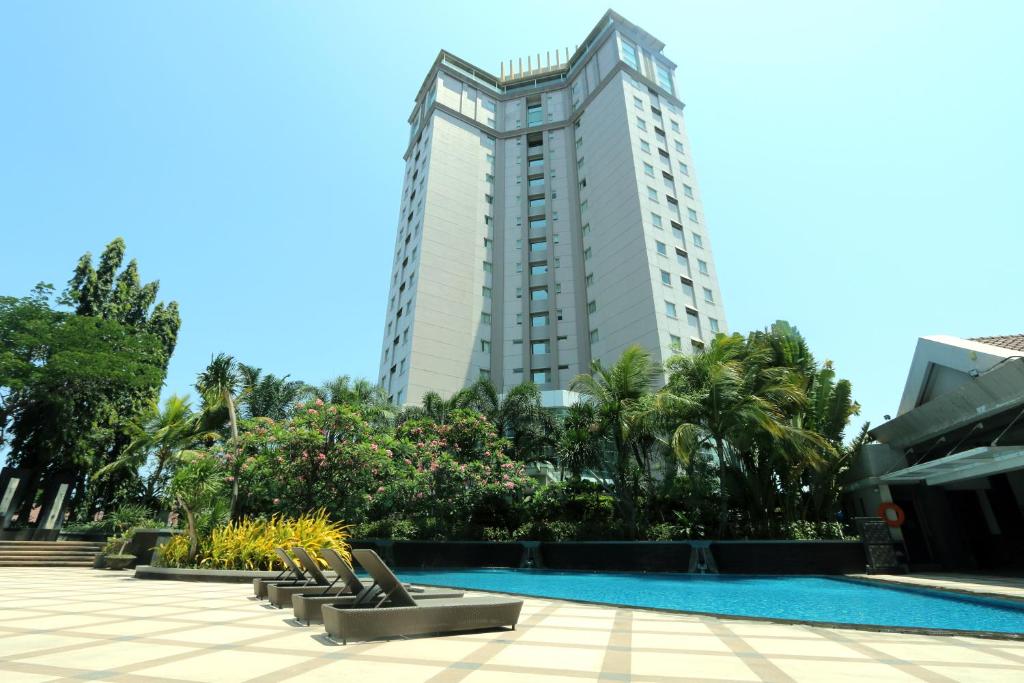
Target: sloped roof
1013, 342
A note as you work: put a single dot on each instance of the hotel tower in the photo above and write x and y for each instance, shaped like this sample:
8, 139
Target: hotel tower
550, 217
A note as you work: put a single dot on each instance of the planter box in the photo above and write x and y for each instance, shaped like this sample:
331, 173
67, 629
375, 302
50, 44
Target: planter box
206, 575
145, 542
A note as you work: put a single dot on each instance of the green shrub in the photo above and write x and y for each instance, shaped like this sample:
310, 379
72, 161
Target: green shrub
813, 531
666, 531
392, 528
570, 511
498, 534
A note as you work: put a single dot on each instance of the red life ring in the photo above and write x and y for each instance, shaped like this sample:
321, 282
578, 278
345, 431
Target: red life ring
883, 512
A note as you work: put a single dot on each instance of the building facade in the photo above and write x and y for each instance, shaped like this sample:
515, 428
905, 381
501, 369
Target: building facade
952, 459
550, 217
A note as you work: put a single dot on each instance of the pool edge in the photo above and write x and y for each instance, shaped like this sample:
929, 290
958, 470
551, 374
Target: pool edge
875, 628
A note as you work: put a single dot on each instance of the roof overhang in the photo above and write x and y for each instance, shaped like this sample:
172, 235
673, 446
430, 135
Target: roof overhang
960, 355
971, 464
998, 389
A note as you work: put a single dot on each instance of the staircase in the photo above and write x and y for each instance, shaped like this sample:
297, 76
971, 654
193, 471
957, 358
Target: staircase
48, 553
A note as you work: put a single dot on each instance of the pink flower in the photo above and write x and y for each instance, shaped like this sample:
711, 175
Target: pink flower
373, 446
319, 402
408, 461
321, 457
487, 452
311, 411
380, 489
419, 495
277, 501
389, 453
231, 478
510, 485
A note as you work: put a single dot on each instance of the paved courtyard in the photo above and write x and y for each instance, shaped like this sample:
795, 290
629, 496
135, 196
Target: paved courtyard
80, 624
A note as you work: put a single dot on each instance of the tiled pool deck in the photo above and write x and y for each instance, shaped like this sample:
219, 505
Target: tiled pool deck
994, 586
79, 624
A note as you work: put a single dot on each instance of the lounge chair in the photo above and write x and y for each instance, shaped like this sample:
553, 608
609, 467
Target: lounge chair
291, 574
281, 595
307, 606
393, 612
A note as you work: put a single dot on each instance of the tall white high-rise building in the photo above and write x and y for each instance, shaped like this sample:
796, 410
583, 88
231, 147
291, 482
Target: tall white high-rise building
550, 216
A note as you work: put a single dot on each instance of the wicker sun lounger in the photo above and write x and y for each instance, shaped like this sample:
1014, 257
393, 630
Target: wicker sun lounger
291, 574
394, 612
281, 594
307, 606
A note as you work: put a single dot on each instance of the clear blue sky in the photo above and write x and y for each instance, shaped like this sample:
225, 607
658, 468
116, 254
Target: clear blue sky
860, 163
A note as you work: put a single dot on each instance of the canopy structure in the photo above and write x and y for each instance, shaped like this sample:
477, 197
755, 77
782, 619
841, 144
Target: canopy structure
970, 464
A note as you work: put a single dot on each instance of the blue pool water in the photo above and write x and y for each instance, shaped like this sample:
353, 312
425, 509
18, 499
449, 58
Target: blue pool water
803, 598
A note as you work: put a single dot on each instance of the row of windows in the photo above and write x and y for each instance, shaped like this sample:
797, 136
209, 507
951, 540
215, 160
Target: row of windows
631, 56
536, 319
667, 178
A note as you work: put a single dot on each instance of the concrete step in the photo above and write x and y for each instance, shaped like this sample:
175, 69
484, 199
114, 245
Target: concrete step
52, 563
46, 556
48, 544
49, 553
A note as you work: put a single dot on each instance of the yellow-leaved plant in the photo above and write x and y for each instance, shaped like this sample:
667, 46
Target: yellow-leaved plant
249, 543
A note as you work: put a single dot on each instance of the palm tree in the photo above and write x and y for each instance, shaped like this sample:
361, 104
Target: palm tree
577, 447
434, 407
727, 397
163, 434
811, 458
194, 488
218, 384
268, 395
519, 416
368, 398
616, 395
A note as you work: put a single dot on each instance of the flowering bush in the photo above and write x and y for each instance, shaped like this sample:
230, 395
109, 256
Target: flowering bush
447, 480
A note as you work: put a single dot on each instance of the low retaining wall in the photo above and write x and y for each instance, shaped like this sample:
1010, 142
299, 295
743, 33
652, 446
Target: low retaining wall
789, 557
731, 557
456, 554
636, 556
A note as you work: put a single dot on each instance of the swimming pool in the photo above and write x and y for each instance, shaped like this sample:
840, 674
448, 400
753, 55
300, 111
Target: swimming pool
800, 598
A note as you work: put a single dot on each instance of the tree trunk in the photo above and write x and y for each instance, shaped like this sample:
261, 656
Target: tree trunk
723, 506
624, 487
77, 496
193, 535
233, 425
